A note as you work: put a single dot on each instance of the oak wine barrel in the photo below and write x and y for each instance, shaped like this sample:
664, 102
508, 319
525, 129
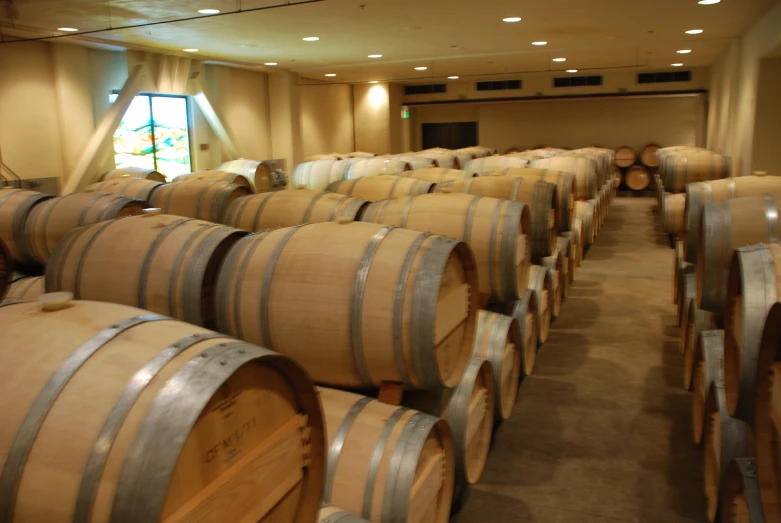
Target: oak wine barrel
625, 156
753, 287
698, 194
329, 156
469, 410
115, 413
525, 313
360, 154
258, 173
679, 266
682, 168
499, 341
126, 186
444, 159
673, 207
383, 303
648, 156
386, 463
741, 495
290, 207
578, 235
687, 293
15, 207
331, 514
584, 170
383, 187
496, 230
767, 418
697, 321
585, 211
166, 264
637, 178
318, 174
574, 239
659, 184
53, 219
541, 284
567, 249
726, 438
708, 361
565, 190
202, 199
494, 164
414, 160
221, 176
25, 289
437, 174
725, 226
134, 172
557, 264
6, 269
375, 167
541, 198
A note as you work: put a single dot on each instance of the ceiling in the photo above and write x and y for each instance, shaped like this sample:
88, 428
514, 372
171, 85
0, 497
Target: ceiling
449, 37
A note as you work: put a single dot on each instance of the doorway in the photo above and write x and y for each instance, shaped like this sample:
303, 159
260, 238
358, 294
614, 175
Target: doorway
454, 135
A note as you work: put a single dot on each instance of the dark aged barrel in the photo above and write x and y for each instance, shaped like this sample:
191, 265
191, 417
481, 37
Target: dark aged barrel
15, 207
383, 303
112, 413
708, 360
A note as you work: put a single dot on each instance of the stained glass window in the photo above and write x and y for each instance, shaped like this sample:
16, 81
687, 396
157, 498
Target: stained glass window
154, 134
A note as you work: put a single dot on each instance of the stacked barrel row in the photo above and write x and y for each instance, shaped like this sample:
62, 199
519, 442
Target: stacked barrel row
636, 170
726, 267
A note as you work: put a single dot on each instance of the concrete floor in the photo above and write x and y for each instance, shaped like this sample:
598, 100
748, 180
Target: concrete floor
601, 431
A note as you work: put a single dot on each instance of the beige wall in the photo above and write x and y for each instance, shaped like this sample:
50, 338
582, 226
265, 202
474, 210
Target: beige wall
371, 117
735, 88
576, 122
326, 119
285, 113
766, 155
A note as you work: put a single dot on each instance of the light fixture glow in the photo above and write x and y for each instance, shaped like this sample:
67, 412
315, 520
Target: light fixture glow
208, 11
190, 50
694, 31
677, 65
684, 51
559, 59
452, 78
512, 19
311, 38
270, 63
375, 56
374, 82
572, 70
67, 29
539, 43
421, 68
330, 74
708, 2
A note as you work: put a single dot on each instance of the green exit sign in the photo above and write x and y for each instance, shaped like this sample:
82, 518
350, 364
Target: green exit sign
405, 113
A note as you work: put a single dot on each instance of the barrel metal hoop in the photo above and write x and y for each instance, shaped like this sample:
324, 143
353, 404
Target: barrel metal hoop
733, 193
382, 209
342, 517
376, 459
405, 212
236, 211
371, 210
468, 185
356, 308
398, 309
93, 470
24, 439
163, 432
771, 214
393, 186
259, 212
337, 206
401, 473
174, 278
335, 449
311, 206
470, 216
458, 410
487, 315
751, 489
172, 188
65, 245
82, 259
510, 231
265, 289
145, 266
201, 196
514, 192
45, 220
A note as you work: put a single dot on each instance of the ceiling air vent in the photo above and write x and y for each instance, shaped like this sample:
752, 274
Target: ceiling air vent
576, 81
499, 85
425, 89
670, 76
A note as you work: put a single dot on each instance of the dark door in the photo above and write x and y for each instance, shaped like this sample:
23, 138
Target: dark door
455, 135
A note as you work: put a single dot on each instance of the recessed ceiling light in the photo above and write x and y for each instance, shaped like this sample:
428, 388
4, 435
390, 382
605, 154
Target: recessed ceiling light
694, 31
375, 56
708, 2
330, 74
311, 38
677, 65
512, 19
572, 70
67, 29
559, 59
208, 11
270, 63
190, 50
421, 68
539, 43
684, 51
374, 82
452, 78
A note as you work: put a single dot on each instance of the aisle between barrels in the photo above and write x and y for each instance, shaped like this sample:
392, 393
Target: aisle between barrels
601, 431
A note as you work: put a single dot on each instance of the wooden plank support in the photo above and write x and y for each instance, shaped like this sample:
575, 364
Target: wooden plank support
391, 392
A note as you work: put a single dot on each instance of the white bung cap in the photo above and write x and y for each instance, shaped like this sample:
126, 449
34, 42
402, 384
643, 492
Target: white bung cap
55, 301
